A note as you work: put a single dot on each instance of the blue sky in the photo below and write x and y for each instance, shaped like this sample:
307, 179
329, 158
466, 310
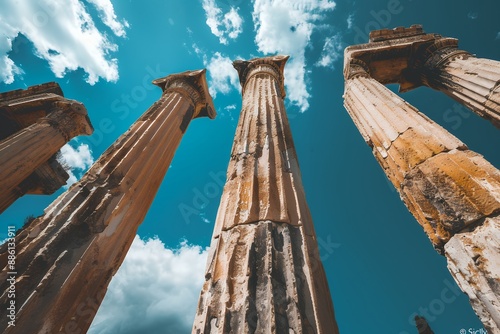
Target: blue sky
380, 265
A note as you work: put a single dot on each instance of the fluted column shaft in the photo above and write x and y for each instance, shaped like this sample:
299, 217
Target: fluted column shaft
25, 151
67, 257
474, 82
264, 274
453, 192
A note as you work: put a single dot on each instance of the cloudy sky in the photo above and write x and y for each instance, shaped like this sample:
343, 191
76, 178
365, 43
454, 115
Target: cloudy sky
381, 268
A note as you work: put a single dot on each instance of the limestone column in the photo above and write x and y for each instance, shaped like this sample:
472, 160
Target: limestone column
264, 274
23, 152
474, 82
453, 192
67, 257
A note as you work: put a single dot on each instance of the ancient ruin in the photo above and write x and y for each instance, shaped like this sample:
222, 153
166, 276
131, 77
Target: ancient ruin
34, 124
67, 257
422, 325
264, 274
453, 192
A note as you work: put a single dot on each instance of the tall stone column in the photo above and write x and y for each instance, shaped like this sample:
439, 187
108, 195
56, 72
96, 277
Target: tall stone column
264, 273
67, 257
474, 82
453, 192
29, 149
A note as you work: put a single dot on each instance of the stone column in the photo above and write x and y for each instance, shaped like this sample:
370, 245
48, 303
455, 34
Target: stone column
474, 82
453, 192
264, 274
67, 257
25, 151
422, 325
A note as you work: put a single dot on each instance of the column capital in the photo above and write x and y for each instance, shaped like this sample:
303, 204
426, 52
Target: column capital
192, 84
356, 68
273, 66
70, 118
439, 53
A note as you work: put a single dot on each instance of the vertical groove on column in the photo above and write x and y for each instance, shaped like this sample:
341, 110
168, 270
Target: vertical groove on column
263, 272
473, 261
68, 256
25, 151
433, 171
454, 193
474, 82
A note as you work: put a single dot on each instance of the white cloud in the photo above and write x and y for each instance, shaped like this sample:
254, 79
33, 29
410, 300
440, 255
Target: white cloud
498, 35
350, 21
332, 51
108, 16
8, 70
78, 160
63, 33
224, 26
155, 290
222, 76
197, 50
204, 218
286, 26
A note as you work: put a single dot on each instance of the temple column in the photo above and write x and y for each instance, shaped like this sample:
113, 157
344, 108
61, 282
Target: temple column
264, 273
474, 82
453, 192
25, 151
67, 257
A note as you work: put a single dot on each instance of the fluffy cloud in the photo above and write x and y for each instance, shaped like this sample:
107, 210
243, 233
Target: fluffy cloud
332, 50
109, 18
224, 26
8, 70
286, 26
63, 33
498, 35
77, 161
350, 21
155, 290
222, 75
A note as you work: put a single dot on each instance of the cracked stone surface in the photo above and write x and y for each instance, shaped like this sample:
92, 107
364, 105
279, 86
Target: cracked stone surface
453, 192
264, 274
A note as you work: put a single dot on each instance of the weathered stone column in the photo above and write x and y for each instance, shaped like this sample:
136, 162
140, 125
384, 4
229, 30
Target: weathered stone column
67, 257
30, 148
474, 82
264, 273
453, 192
422, 325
